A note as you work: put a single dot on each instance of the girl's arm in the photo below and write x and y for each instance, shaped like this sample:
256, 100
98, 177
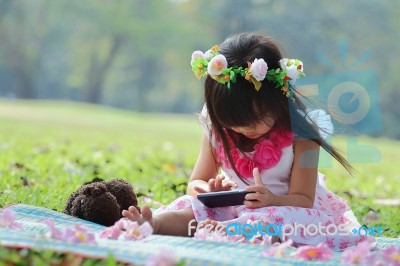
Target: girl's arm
204, 176
303, 181
304, 175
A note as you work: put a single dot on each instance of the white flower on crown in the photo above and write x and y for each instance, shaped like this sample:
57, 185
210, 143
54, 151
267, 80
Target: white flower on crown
195, 55
216, 65
293, 68
258, 69
208, 54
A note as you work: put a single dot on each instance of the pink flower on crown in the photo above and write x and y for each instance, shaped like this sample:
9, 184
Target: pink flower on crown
258, 69
267, 153
216, 65
195, 55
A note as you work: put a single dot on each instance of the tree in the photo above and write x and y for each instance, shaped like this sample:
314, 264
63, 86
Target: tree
23, 23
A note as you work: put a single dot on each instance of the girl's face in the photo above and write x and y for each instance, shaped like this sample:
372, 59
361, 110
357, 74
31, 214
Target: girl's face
257, 130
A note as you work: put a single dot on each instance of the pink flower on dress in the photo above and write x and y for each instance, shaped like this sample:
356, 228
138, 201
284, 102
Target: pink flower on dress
252, 218
282, 138
329, 196
343, 244
342, 206
221, 156
361, 239
181, 204
271, 211
245, 167
7, 219
279, 220
267, 154
329, 242
321, 252
211, 214
197, 214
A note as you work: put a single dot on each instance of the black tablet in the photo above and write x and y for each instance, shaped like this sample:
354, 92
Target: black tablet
223, 198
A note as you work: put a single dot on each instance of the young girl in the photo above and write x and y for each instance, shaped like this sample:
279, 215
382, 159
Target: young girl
263, 139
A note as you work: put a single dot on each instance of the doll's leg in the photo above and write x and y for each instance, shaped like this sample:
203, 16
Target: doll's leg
171, 222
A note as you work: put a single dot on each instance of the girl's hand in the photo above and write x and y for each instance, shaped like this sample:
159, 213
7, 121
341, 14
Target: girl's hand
262, 196
217, 184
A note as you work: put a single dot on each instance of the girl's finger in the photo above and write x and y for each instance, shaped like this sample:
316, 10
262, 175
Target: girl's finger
252, 196
259, 189
211, 184
200, 189
218, 182
229, 184
257, 177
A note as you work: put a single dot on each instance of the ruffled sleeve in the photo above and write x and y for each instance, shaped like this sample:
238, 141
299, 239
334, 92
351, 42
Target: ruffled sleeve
323, 121
205, 122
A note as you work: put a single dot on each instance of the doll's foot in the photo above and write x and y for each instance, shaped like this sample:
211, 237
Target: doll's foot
145, 215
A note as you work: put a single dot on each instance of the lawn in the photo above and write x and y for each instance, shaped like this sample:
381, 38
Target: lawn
48, 149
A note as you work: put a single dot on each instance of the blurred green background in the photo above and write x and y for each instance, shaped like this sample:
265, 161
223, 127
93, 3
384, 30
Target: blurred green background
135, 54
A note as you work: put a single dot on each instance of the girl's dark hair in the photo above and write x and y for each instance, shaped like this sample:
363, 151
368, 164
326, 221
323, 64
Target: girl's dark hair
242, 105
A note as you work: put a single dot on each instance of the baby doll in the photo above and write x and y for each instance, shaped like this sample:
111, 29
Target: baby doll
101, 202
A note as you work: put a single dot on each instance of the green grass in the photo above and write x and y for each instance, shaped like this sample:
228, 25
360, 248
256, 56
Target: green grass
48, 149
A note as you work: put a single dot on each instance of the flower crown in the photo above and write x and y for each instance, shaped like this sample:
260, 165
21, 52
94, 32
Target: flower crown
215, 64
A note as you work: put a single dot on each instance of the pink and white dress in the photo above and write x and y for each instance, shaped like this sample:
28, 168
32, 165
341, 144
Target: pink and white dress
276, 157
